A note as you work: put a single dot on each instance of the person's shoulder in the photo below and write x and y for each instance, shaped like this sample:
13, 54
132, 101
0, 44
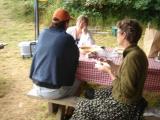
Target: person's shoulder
66, 35
69, 36
45, 30
137, 53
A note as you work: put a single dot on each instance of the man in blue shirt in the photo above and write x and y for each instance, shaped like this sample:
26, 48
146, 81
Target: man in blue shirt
55, 61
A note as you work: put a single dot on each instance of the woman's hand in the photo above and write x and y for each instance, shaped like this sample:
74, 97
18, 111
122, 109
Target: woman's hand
105, 67
84, 29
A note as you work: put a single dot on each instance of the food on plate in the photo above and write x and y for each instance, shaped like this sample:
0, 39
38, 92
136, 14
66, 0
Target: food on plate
93, 54
105, 64
100, 64
93, 50
85, 49
103, 59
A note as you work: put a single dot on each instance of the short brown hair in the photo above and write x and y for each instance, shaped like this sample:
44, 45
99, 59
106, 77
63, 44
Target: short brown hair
132, 29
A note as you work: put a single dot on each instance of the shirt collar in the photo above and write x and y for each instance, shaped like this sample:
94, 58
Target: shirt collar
57, 29
129, 49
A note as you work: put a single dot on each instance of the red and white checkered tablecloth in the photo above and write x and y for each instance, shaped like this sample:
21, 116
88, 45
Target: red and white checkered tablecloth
153, 77
87, 72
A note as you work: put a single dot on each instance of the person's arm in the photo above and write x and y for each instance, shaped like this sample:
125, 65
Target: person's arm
86, 39
111, 73
131, 74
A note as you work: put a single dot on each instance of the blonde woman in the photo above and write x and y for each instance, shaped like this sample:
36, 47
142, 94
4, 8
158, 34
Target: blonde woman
80, 32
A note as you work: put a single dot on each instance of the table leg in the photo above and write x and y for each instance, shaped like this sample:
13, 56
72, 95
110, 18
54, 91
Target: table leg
52, 108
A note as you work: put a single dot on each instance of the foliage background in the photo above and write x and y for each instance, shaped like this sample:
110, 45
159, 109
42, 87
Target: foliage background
101, 12
16, 25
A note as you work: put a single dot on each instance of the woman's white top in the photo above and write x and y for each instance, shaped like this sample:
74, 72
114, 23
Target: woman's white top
85, 39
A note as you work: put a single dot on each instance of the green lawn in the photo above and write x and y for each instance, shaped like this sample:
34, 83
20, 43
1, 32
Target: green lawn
14, 71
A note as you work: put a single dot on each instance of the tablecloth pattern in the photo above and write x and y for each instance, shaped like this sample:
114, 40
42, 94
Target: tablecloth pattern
87, 72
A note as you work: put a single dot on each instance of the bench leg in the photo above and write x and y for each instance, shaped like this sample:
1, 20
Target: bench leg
61, 112
52, 108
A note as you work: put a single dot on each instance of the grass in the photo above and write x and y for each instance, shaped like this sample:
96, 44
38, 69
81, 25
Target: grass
14, 71
12, 32
105, 40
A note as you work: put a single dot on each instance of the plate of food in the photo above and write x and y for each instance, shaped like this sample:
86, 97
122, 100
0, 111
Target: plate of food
100, 63
85, 49
93, 55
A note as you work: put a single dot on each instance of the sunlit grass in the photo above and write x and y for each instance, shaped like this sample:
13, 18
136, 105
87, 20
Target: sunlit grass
106, 40
15, 70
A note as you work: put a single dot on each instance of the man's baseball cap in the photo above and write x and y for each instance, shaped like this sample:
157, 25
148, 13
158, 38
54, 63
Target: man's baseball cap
61, 15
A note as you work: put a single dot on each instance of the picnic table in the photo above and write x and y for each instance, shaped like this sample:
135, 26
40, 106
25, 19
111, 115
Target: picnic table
87, 72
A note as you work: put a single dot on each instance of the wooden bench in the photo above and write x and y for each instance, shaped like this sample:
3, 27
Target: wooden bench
62, 104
